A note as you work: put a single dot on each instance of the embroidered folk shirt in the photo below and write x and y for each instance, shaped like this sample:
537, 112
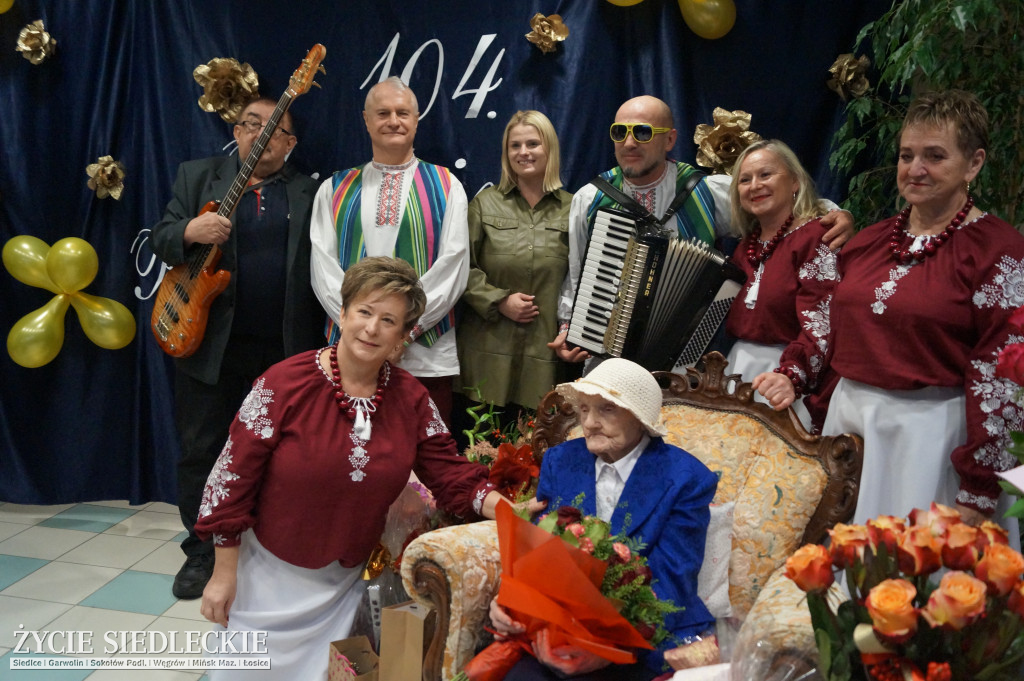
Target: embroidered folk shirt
443, 283
313, 492
941, 322
793, 293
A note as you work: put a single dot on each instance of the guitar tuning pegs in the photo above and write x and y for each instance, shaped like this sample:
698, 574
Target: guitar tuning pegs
316, 84
322, 70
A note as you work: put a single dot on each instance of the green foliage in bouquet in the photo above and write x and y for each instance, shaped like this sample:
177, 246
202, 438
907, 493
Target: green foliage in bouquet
627, 579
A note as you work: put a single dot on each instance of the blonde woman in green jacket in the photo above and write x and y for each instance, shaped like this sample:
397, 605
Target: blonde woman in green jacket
519, 250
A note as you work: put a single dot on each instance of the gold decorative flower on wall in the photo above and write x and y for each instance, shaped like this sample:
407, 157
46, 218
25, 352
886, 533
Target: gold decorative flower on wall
848, 79
106, 177
719, 145
227, 87
35, 44
547, 31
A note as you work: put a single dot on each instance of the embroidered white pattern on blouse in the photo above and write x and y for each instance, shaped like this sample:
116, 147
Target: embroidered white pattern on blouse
436, 425
358, 458
478, 500
883, 292
219, 539
997, 401
968, 499
1007, 287
824, 266
216, 489
253, 412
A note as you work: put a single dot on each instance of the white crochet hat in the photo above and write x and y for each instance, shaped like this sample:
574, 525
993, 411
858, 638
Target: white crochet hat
626, 384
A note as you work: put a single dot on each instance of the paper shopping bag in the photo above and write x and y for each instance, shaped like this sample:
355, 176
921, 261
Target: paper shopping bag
405, 633
352, 659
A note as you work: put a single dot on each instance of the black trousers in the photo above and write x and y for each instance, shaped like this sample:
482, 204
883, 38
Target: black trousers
203, 413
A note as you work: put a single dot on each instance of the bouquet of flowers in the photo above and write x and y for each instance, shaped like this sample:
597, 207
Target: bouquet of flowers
569, 575
898, 623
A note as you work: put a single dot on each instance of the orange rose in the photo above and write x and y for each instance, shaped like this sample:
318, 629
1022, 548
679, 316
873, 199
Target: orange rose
810, 568
938, 518
959, 601
1000, 568
891, 607
886, 529
960, 550
848, 543
1016, 601
992, 533
919, 551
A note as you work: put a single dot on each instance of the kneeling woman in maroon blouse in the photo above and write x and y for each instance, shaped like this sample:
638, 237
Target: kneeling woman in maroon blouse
319, 450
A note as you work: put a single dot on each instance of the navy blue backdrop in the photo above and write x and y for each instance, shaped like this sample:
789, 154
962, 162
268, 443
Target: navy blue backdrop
96, 424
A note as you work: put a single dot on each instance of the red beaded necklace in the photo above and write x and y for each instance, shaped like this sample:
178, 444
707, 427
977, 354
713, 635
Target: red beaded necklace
346, 402
903, 255
757, 254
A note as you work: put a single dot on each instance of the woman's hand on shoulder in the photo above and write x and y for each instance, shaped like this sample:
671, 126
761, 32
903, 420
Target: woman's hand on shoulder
841, 229
519, 308
776, 388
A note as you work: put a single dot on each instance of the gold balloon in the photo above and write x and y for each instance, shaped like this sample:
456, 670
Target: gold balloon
625, 3
709, 18
25, 258
36, 338
106, 322
72, 264
5, 5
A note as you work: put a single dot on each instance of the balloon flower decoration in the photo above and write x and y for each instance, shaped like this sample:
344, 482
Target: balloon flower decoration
65, 269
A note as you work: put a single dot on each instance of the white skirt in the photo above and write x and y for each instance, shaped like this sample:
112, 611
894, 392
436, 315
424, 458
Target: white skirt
750, 359
908, 437
302, 611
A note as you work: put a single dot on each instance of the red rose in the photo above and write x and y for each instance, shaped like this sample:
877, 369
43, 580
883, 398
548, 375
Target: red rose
645, 630
629, 575
919, 551
886, 530
1016, 320
1000, 568
811, 568
1011, 363
1016, 601
567, 515
848, 543
960, 551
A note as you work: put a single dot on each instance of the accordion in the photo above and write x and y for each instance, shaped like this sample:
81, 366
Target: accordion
648, 296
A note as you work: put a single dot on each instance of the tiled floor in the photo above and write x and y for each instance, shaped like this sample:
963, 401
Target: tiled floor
101, 567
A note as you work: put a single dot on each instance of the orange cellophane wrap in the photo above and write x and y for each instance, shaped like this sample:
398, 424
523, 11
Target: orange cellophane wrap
545, 582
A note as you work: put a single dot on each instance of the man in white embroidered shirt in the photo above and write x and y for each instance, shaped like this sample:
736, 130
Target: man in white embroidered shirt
400, 206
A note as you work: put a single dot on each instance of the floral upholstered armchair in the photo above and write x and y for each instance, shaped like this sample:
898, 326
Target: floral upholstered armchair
788, 488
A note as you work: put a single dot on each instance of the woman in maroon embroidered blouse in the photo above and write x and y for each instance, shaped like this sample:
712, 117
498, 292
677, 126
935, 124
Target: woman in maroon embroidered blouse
320, 449
781, 316
918, 322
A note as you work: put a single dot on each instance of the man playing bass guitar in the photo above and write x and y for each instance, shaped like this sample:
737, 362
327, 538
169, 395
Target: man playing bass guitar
267, 312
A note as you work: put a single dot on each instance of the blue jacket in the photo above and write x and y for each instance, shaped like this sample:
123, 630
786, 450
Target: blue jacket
666, 497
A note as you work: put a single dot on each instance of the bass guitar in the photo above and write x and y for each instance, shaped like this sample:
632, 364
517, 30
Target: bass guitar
181, 307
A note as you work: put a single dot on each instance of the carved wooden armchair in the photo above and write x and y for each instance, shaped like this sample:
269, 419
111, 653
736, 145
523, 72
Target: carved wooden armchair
789, 488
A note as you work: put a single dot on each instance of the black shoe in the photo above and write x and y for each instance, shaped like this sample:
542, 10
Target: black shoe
192, 577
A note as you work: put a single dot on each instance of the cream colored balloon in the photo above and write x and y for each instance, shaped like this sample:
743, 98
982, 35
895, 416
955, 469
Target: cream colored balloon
625, 3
